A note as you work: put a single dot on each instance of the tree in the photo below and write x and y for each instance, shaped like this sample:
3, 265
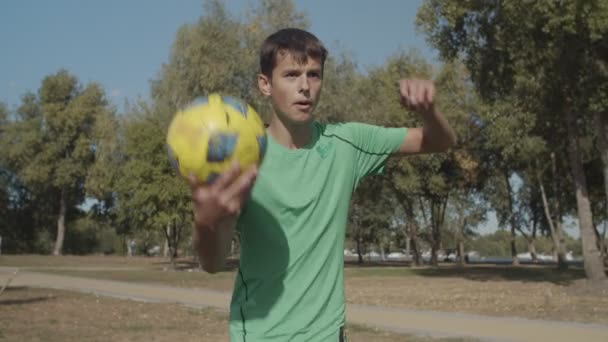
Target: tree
553, 212
546, 49
150, 195
368, 215
51, 145
4, 176
602, 127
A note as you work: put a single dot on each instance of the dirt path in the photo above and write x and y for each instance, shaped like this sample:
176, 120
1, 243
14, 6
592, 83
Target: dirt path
436, 324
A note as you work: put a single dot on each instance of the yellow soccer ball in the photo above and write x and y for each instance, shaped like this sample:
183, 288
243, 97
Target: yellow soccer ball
207, 136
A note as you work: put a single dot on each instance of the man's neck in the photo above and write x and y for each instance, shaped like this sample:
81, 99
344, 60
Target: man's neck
289, 135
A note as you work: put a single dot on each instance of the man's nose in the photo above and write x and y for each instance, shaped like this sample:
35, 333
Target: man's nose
304, 83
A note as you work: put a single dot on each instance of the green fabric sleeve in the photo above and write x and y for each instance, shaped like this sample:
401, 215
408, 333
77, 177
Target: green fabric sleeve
374, 144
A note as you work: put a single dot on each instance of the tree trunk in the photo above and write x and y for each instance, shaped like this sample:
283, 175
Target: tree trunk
594, 268
532, 249
412, 241
177, 236
532, 240
415, 251
461, 259
602, 134
166, 246
437, 213
602, 245
555, 231
561, 252
359, 251
602, 142
462, 224
60, 224
411, 226
413, 233
170, 239
408, 244
171, 243
514, 247
513, 220
434, 259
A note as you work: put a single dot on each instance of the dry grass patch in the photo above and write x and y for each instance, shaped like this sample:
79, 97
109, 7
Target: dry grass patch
538, 293
28, 314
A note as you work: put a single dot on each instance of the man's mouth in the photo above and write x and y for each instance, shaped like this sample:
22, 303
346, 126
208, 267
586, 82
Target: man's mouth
303, 105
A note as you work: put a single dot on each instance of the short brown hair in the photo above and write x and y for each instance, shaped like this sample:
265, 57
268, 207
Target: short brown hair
299, 43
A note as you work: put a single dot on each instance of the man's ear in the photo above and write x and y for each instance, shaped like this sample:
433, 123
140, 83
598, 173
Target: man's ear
264, 84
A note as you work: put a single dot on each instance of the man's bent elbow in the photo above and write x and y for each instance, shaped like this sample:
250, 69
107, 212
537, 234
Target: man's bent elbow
211, 267
442, 145
449, 142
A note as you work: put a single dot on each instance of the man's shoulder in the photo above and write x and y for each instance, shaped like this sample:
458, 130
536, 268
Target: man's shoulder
341, 129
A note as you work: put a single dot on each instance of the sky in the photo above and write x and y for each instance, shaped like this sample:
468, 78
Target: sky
122, 44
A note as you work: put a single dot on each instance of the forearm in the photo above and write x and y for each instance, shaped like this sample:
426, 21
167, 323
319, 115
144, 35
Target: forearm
212, 244
438, 134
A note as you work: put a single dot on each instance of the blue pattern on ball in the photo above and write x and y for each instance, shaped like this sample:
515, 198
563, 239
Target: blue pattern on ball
221, 146
237, 104
200, 100
262, 145
212, 177
172, 158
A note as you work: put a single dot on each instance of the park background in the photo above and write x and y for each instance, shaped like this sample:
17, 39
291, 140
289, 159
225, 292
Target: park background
88, 89
511, 222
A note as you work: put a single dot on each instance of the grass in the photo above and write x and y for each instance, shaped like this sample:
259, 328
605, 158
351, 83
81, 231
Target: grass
538, 292
220, 282
50, 315
116, 263
476, 273
40, 261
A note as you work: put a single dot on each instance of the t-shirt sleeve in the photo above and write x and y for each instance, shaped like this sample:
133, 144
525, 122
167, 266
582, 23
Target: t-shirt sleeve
374, 144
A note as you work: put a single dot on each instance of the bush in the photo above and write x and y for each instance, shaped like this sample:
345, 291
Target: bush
44, 242
80, 237
86, 236
109, 242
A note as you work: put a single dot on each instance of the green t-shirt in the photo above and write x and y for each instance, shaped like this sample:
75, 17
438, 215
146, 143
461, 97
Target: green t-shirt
290, 283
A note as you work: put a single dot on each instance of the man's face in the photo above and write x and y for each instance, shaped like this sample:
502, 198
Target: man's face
294, 88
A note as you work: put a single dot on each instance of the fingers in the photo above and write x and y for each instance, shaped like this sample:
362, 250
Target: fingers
403, 91
417, 94
236, 193
429, 95
226, 195
196, 187
192, 181
414, 94
201, 191
227, 177
222, 181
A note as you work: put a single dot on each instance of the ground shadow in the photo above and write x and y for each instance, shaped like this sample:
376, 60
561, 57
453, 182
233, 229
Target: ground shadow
506, 273
188, 264
4, 302
15, 288
21, 301
477, 272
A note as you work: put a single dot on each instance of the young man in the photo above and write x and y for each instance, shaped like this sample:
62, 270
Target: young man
291, 224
